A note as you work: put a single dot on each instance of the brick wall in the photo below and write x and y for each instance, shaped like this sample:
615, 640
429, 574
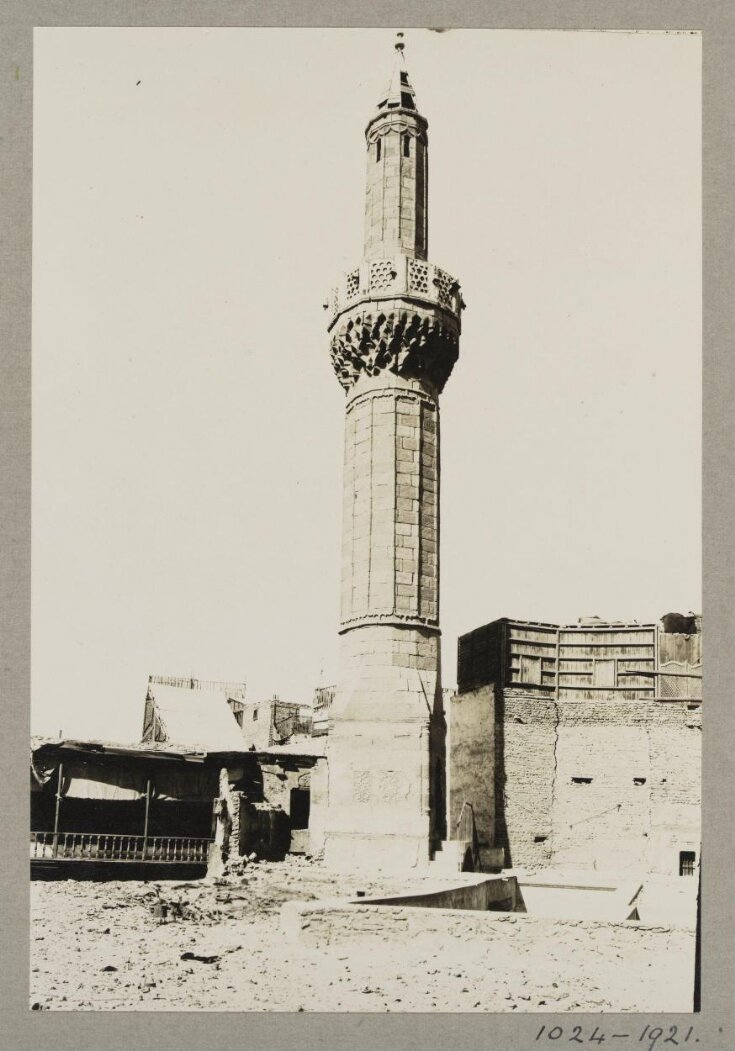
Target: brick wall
606, 785
525, 761
620, 789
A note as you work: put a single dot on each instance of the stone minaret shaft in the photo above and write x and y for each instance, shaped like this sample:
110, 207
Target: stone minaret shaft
394, 325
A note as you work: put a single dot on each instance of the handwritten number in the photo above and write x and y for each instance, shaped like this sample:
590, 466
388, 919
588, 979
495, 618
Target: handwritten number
653, 1036
576, 1031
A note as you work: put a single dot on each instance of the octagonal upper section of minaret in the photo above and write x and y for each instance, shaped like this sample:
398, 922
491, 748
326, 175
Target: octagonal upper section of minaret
396, 312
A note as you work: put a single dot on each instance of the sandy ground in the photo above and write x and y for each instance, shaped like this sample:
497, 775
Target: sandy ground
97, 946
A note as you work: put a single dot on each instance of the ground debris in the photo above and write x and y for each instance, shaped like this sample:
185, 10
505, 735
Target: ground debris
220, 947
199, 959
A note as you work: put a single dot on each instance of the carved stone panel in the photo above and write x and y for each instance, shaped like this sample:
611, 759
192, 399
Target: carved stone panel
410, 343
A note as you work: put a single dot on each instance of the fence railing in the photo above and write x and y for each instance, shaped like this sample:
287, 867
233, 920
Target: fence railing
104, 846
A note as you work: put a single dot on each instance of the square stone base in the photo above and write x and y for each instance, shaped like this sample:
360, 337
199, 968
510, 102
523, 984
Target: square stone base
374, 854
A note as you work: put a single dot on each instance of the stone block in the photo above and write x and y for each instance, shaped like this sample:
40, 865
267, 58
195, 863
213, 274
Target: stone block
406, 496
405, 589
407, 517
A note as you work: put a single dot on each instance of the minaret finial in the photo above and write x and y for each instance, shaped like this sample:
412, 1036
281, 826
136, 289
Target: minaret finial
398, 92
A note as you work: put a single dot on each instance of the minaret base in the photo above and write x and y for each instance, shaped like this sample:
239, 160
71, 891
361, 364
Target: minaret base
386, 764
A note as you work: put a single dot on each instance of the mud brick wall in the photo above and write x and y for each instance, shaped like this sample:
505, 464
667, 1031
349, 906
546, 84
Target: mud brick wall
608, 785
646, 776
614, 785
471, 733
526, 737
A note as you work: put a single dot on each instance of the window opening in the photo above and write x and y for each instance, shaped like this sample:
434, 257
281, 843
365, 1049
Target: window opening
406, 145
377, 150
686, 862
581, 780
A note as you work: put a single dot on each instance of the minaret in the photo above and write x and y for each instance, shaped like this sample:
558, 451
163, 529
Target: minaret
394, 324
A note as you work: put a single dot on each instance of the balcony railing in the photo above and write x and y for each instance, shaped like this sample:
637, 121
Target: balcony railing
104, 846
387, 278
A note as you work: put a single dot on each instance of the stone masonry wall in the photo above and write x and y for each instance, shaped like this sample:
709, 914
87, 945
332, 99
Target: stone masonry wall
390, 507
395, 200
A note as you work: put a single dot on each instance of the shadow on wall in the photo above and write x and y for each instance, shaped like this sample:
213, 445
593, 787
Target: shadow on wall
501, 828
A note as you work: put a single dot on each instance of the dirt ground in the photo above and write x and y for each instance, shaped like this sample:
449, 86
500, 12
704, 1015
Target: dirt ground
98, 946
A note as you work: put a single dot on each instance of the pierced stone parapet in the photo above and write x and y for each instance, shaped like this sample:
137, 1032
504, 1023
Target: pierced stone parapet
412, 343
398, 275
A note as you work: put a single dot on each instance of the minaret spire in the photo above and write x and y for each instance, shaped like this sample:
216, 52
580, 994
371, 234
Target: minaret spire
398, 92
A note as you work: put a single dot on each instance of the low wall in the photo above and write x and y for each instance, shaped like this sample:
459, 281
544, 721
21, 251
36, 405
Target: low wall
554, 897
483, 894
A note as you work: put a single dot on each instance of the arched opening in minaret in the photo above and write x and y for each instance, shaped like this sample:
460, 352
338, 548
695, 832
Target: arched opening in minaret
406, 145
377, 150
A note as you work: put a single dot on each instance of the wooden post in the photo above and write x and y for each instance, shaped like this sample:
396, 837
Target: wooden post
55, 847
147, 809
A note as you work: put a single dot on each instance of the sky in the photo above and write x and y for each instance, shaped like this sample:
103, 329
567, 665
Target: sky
196, 194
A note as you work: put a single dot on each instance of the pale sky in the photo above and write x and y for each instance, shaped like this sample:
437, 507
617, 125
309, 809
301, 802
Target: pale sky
196, 194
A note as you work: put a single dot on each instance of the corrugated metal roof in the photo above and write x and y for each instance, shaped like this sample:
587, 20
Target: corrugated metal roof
196, 718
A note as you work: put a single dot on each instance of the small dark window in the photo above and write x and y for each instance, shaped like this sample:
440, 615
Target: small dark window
581, 780
406, 145
255, 714
377, 150
539, 839
686, 862
639, 780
